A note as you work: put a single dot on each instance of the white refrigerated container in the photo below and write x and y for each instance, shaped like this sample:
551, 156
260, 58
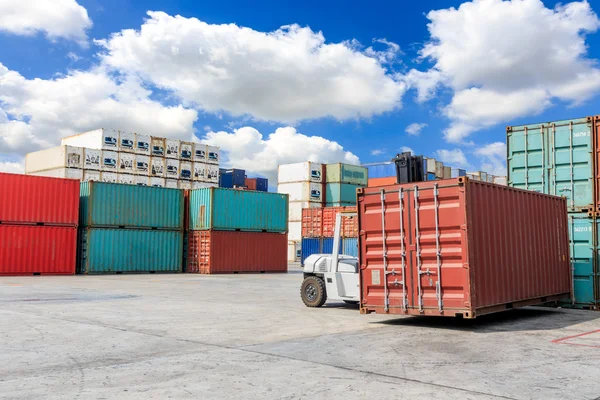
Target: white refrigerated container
172, 168
200, 153
92, 159
171, 183
53, 158
142, 165
109, 161
141, 180
91, 175
302, 191
99, 139
213, 154
157, 167
157, 182
199, 171
110, 177
126, 163
157, 146
69, 173
172, 148
127, 142
296, 207
142, 144
203, 185
185, 170
212, 173
186, 151
126, 179
300, 172
184, 184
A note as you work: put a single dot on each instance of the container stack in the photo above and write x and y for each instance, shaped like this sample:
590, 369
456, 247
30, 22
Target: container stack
558, 158
113, 156
237, 179
38, 225
318, 228
130, 229
342, 181
236, 231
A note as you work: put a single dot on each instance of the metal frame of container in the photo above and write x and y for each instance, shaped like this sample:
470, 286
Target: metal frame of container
449, 248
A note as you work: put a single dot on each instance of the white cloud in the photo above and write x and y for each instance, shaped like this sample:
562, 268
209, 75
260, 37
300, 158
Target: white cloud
73, 57
455, 158
207, 128
11, 166
493, 158
36, 113
57, 18
389, 55
247, 148
415, 128
406, 149
507, 59
286, 75
377, 152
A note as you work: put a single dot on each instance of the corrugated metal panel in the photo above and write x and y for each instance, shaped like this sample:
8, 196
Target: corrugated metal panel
262, 184
113, 205
35, 199
327, 246
350, 247
554, 158
346, 173
581, 235
227, 209
223, 252
310, 246
105, 250
312, 222
340, 193
382, 181
484, 266
381, 170
45, 250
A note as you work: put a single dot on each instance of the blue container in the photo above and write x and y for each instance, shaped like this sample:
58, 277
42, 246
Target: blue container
381, 170
553, 158
341, 193
581, 233
225, 179
320, 245
457, 172
243, 210
350, 246
431, 176
105, 204
106, 250
262, 184
238, 177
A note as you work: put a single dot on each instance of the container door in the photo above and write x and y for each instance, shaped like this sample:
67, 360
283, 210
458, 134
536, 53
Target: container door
571, 167
527, 158
581, 235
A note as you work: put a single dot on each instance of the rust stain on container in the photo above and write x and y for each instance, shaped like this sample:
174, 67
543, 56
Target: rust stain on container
460, 247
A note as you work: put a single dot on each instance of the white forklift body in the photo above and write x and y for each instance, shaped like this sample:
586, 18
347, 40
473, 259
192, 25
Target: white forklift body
331, 276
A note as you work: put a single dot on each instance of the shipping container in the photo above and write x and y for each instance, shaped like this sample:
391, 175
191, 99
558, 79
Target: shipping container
92, 159
500, 180
554, 158
296, 207
340, 193
225, 179
262, 184
300, 172
186, 151
108, 177
172, 148
294, 251
114, 205
89, 176
228, 209
226, 252
172, 168
56, 157
107, 250
109, 161
320, 222
157, 182
385, 169
142, 144
350, 246
171, 183
212, 173
186, 170
382, 181
200, 153
37, 250
126, 179
341, 204
238, 176
295, 230
67, 173
213, 154
461, 248
126, 142
199, 171
142, 165
447, 172
346, 173
250, 183
157, 146
38, 200
99, 139
457, 172
140, 180
185, 185
431, 176
126, 163
583, 250
321, 245
431, 163
158, 167
439, 170
203, 185
302, 191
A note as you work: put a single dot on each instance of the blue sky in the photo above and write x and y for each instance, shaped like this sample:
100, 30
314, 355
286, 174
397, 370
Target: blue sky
492, 63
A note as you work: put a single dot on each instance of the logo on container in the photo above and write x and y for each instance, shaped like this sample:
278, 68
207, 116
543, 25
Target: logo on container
110, 162
200, 154
73, 160
315, 174
141, 145
315, 194
157, 169
171, 169
110, 141
186, 154
158, 150
172, 149
127, 143
213, 156
186, 174
126, 164
142, 166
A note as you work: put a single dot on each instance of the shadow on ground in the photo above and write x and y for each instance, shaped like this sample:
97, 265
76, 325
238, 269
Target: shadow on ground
523, 319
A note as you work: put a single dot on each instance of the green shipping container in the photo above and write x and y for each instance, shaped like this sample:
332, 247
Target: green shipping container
553, 158
106, 250
117, 205
243, 210
341, 193
346, 173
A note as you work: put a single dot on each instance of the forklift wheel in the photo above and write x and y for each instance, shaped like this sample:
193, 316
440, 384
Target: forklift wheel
313, 291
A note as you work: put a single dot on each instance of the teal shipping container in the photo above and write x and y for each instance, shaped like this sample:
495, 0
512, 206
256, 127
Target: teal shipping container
346, 173
106, 251
243, 210
584, 260
341, 193
105, 204
554, 158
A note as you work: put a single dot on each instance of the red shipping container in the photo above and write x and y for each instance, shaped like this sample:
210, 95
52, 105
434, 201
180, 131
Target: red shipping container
312, 222
320, 222
388, 180
226, 252
26, 199
33, 250
250, 183
458, 247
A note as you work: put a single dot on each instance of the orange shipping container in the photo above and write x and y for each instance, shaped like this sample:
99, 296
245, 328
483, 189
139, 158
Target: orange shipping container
320, 222
390, 180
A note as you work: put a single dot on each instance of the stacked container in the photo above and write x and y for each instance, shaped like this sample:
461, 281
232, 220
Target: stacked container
38, 225
318, 229
130, 229
558, 158
342, 180
232, 231
114, 156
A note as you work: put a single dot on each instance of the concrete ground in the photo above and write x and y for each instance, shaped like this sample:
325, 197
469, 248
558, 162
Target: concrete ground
250, 337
